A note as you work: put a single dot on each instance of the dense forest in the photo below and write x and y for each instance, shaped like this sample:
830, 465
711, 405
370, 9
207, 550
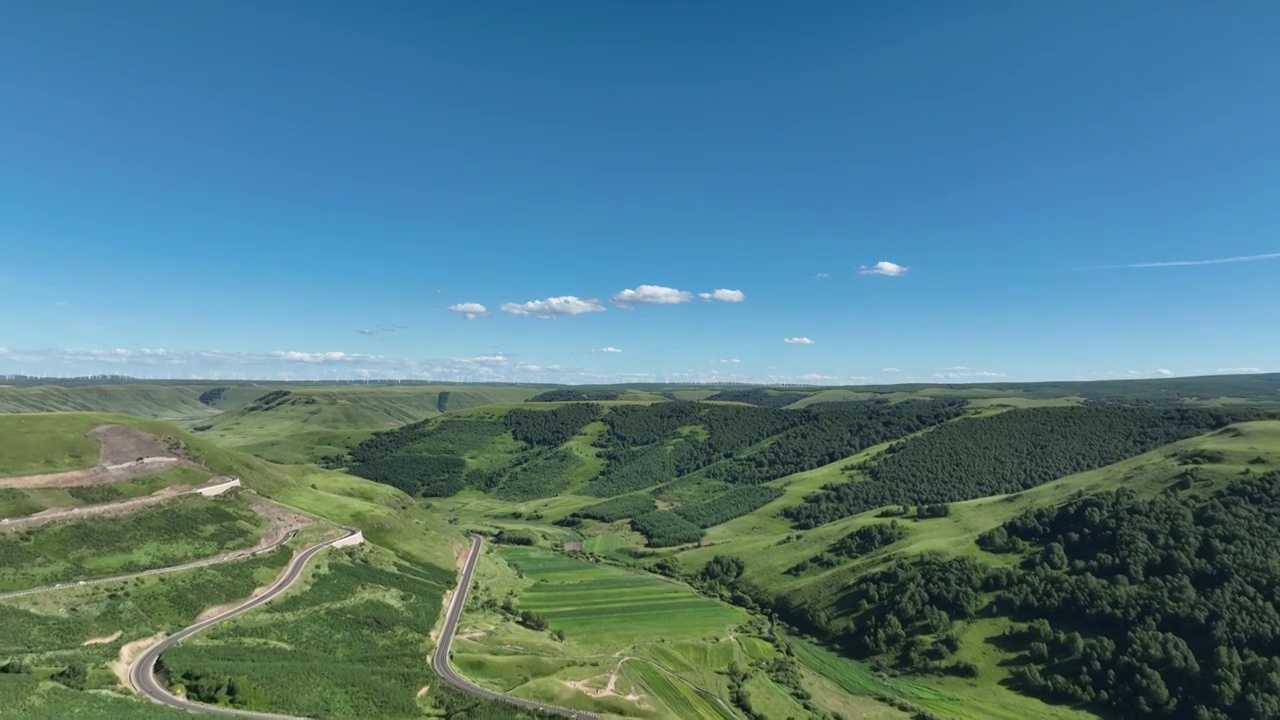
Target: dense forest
550, 427
729, 505
1164, 608
759, 397
662, 528
1009, 452
576, 395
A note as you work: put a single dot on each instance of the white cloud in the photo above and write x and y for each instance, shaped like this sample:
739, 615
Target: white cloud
1220, 371
961, 372
816, 377
1214, 261
495, 359
1165, 373
316, 357
651, 295
724, 295
609, 349
821, 276
858, 378
884, 267
469, 310
797, 341
729, 361
890, 370
553, 307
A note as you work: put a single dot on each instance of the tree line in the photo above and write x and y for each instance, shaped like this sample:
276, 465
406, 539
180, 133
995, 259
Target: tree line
1008, 453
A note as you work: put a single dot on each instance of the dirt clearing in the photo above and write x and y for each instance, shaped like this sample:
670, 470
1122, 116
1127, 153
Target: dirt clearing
103, 640
125, 454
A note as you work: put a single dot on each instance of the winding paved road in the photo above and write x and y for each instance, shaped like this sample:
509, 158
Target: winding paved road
440, 660
154, 571
142, 673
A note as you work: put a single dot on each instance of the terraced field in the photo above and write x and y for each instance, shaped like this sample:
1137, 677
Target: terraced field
612, 606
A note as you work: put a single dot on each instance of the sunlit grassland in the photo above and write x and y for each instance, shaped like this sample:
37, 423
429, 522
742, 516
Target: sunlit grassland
46, 443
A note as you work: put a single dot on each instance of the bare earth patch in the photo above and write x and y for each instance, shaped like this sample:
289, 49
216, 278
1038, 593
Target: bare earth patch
103, 640
122, 444
128, 653
423, 691
126, 454
584, 686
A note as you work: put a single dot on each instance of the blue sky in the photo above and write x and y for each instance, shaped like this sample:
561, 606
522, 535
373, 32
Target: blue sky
305, 189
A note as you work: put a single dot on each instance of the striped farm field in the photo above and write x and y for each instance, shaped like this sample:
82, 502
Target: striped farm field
615, 607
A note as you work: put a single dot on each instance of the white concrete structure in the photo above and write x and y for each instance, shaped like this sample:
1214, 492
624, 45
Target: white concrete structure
226, 484
355, 539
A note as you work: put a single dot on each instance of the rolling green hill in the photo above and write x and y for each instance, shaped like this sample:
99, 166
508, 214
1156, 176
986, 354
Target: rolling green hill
1052, 550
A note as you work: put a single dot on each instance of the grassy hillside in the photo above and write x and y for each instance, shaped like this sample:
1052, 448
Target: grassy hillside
171, 402
299, 424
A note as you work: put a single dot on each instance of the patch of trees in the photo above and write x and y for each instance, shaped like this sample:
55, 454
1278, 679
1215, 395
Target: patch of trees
422, 458
827, 433
453, 705
417, 475
1007, 453
662, 528
211, 396
631, 425
271, 400
549, 428
760, 397
617, 508
729, 505
514, 537
1200, 456
1162, 608
630, 469
576, 395
868, 539
538, 474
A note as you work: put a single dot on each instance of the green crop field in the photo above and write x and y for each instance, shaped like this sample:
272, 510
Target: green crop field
612, 606
187, 528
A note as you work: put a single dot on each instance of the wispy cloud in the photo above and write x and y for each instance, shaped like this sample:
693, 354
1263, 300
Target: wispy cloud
1220, 371
890, 370
1165, 373
816, 377
553, 307
609, 349
821, 276
469, 310
651, 295
962, 373
724, 295
729, 361
797, 341
495, 359
884, 267
1188, 263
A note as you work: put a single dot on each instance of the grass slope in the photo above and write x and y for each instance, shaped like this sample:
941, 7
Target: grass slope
46, 443
313, 422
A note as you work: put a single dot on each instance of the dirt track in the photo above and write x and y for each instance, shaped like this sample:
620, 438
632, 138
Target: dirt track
125, 454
